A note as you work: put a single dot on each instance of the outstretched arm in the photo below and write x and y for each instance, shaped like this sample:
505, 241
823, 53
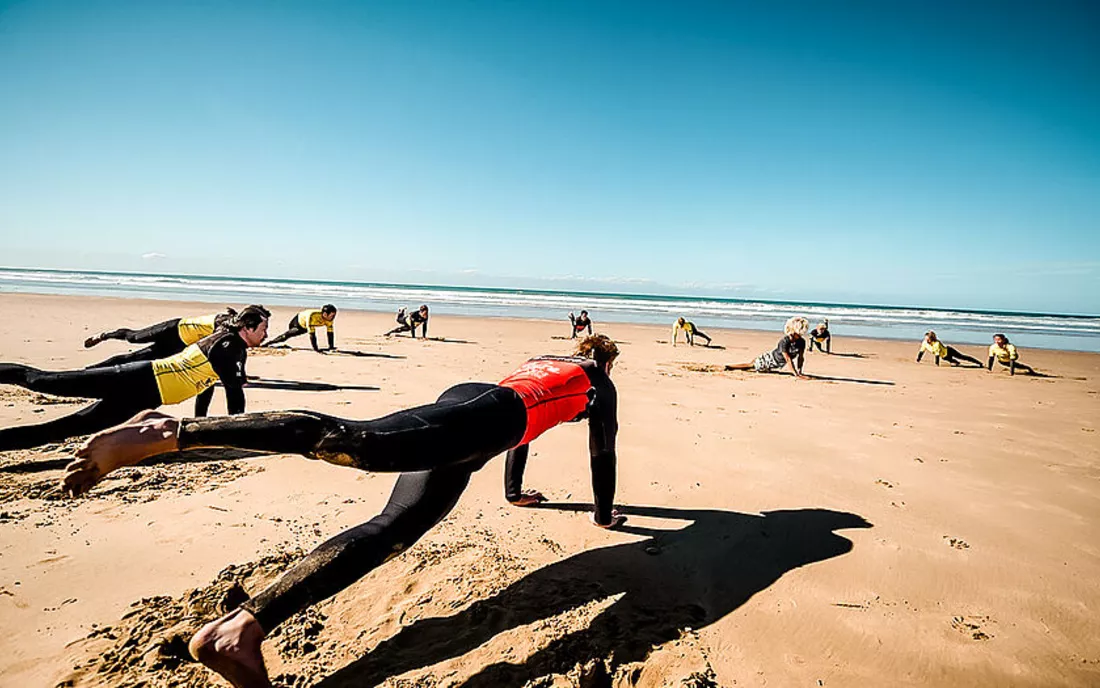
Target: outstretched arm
514, 465
331, 339
603, 426
313, 339
920, 355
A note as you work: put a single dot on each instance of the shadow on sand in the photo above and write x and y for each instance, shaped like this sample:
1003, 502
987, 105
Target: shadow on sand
303, 386
856, 380
189, 456
673, 579
337, 352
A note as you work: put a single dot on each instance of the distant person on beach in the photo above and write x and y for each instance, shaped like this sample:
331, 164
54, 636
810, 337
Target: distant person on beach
820, 335
580, 323
934, 346
690, 332
436, 448
409, 323
121, 391
788, 352
1004, 352
310, 321
164, 339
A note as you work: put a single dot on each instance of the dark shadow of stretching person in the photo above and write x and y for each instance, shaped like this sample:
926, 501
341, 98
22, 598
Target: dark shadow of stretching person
164, 339
121, 391
700, 574
435, 447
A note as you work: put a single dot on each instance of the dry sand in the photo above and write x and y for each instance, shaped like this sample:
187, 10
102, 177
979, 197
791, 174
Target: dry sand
936, 530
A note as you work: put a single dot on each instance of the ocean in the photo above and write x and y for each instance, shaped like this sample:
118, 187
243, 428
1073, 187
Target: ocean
1037, 330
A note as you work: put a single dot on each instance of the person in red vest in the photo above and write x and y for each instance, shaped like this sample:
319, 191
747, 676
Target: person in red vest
436, 448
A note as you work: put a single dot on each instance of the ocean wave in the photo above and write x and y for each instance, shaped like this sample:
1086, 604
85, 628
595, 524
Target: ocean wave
870, 320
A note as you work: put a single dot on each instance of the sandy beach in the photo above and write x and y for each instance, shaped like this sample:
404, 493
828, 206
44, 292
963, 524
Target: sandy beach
894, 524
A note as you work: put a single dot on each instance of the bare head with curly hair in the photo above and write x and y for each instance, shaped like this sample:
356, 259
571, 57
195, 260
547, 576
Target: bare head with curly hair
796, 326
600, 348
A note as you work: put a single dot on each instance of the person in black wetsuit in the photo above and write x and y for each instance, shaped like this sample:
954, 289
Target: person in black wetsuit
164, 339
821, 335
309, 321
435, 447
580, 323
789, 351
123, 390
408, 323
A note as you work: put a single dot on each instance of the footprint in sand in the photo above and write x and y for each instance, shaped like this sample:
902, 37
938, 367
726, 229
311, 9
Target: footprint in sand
973, 626
957, 543
884, 483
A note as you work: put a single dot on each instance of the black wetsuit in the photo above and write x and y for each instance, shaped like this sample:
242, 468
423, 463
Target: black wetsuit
294, 328
579, 324
819, 333
163, 339
121, 392
435, 447
409, 322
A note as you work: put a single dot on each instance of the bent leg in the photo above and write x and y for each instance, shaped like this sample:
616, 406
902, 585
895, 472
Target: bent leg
419, 501
89, 384
93, 418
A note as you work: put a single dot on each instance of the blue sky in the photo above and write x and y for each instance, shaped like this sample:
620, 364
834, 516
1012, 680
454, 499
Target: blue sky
924, 153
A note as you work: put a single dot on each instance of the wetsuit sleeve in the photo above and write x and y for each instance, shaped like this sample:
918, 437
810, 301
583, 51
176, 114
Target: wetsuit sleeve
227, 358
424, 329
603, 426
313, 339
920, 354
331, 338
514, 466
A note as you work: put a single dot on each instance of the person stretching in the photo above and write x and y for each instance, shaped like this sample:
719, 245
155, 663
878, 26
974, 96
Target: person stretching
309, 321
408, 323
436, 448
580, 323
690, 332
820, 335
940, 350
789, 351
164, 339
1004, 352
121, 391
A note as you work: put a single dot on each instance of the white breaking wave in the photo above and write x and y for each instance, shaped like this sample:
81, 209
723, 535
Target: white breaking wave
860, 320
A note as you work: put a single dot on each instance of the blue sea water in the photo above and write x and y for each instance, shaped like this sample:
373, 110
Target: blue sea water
1035, 330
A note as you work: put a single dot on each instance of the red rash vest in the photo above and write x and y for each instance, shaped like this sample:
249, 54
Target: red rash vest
554, 392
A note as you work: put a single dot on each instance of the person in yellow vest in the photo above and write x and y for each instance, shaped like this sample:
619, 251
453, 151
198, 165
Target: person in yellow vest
408, 322
690, 332
164, 339
934, 346
1004, 352
309, 321
121, 391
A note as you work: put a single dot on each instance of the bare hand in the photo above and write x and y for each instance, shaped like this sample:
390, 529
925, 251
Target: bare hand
617, 519
529, 498
80, 476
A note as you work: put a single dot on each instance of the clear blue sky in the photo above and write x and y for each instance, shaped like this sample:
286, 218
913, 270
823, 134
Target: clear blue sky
922, 153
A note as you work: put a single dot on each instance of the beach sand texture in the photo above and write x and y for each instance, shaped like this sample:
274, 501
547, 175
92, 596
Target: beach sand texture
939, 528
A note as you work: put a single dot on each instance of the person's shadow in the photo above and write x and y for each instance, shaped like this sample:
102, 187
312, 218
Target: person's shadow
673, 579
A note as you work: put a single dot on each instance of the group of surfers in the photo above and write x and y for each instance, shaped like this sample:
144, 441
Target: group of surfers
435, 447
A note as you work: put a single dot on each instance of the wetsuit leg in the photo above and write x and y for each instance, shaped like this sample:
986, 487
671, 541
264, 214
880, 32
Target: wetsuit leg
93, 418
472, 421
123, 391
293, 330
419, 501
154, 334
953, 353
147, 353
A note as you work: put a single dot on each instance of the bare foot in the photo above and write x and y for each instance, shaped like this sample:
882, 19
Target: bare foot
147, 434
92, 341
230, 646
